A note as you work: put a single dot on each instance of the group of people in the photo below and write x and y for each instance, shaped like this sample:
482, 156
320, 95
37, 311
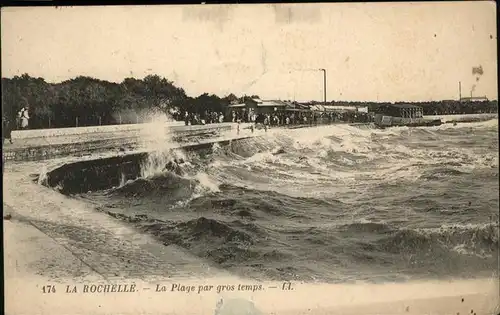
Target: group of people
304, 118
277, 118
21, 123
203, 119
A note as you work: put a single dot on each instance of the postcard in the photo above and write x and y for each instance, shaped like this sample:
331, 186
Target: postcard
314, 158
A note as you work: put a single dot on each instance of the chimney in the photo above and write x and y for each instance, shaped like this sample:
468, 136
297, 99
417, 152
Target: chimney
459, 90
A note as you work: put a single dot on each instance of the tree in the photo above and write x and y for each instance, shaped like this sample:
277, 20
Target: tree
95, 101
231, 99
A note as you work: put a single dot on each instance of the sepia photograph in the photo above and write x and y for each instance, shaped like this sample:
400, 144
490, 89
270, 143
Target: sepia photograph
227, 159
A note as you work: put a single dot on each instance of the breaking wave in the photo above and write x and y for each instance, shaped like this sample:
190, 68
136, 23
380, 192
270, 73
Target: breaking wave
329, 203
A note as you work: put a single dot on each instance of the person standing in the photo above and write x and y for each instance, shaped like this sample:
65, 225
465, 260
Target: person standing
18, 118
7, 129
25, 117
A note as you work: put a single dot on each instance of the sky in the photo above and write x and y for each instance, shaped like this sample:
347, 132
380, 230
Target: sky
371, 51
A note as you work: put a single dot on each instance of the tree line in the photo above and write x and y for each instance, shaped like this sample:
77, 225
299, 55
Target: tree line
86, 101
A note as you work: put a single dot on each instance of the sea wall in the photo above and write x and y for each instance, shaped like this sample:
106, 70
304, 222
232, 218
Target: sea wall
110, 130
57, 132
95, 174
32, 145
48, 151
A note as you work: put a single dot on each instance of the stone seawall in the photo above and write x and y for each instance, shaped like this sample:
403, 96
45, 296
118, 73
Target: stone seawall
86, 143
57, 132
105, 172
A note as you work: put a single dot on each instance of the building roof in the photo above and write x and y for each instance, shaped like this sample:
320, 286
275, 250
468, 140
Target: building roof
268, 103
332, 108
273, 103
301, 105
237, 105
298, 109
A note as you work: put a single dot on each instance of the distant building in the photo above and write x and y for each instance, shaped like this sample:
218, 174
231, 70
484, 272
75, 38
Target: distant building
299, 106
339, 109
266, 106
257, 106
402, 115
474, 99
235, 106
401, 110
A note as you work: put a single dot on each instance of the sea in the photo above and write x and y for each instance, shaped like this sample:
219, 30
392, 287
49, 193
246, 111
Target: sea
336, 203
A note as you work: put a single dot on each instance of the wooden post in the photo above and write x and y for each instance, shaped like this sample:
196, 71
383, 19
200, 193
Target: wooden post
77, 121
99, 120
120, 116
49, 121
